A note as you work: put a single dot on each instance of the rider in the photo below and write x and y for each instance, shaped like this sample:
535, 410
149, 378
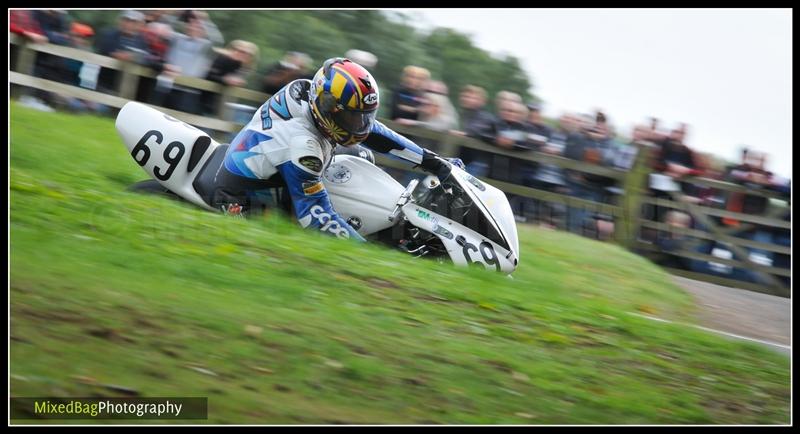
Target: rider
291, 139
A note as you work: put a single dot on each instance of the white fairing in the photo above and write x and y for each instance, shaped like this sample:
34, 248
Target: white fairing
464, 244
158, 137
496, 203
358, 188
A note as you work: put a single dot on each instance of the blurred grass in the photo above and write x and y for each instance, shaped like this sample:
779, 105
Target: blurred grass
278, 325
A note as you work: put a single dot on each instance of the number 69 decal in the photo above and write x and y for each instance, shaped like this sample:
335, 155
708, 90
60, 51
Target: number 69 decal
172, 154
485, 248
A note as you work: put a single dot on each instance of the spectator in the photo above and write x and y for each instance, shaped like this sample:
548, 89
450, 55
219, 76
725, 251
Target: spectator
592, 146
407, 99
624, 153
641, 134
547, 176
505, 95
436, 111
54, 24
675, 158
157, 39
434, 115
159, 16
188, 56
209, 28
752, 174
363, 58
673, 241
124, 42
538, 129
81, 73
677, 161
293, 66
230, 68
81, 38
21, 22
654, 134
477, 123
437, 87
512, 135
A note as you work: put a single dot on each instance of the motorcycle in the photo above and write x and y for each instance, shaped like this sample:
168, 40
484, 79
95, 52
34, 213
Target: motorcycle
462, 220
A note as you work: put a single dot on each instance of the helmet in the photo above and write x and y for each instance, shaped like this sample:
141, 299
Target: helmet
344, 101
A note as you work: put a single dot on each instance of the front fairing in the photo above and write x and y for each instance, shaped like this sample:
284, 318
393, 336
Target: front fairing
472, 219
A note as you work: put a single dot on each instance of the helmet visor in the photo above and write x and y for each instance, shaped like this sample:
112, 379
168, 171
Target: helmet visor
355, 122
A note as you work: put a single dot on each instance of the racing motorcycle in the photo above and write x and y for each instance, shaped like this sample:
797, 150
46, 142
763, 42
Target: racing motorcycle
462, 220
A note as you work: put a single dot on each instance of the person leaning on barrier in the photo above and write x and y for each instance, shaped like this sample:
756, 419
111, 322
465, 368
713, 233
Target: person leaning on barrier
230, 67
294, 65
157, 39
436, 112
21, 22
592, 146
123, 42
409, 96
547, 176
678, 161
54, 24
512, 135
83, 74
506, 95
432, 114
448, 115
209, 28
477, 123
188, 56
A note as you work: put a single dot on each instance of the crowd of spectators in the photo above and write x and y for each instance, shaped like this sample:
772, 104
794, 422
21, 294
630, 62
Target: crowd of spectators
173, 43
516, 128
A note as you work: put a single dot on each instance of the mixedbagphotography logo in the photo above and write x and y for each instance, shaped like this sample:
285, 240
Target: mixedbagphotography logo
109, 408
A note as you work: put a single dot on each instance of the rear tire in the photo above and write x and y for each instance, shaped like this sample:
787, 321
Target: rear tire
151, 186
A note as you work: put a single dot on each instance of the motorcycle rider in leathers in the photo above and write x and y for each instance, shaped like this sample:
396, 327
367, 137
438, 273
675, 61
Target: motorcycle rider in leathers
291, 139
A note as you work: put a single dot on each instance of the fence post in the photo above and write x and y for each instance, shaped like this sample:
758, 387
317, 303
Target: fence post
128, 81
634, 186
450, 146
224, 98
26, 60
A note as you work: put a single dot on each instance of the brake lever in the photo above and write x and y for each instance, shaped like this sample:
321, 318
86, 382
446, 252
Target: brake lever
403, 199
